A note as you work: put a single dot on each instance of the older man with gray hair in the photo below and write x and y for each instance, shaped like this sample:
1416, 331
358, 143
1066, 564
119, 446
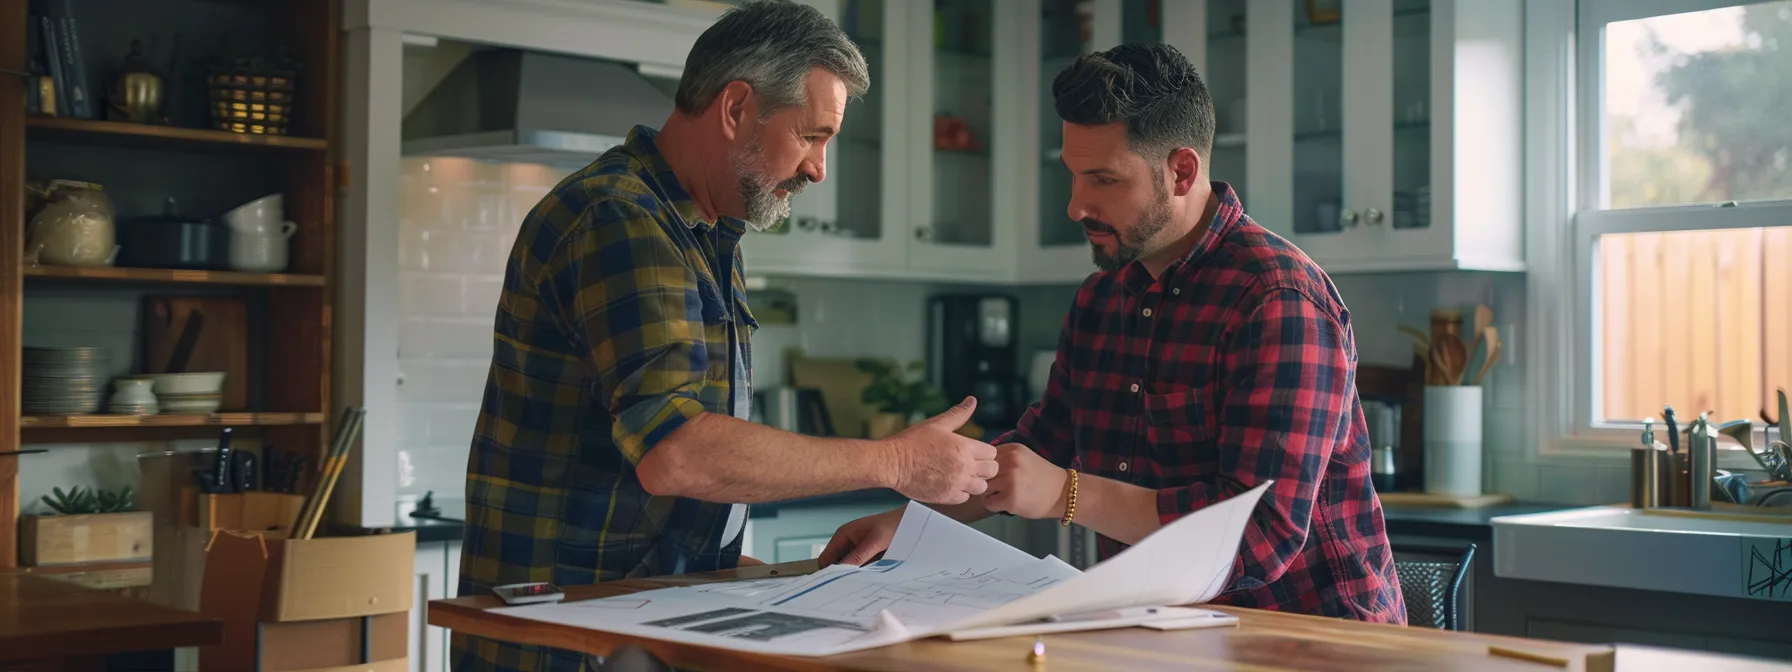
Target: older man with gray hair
613, 441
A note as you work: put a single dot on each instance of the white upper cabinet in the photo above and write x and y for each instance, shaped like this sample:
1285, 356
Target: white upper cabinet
1386, 136
855, 221
1377, 135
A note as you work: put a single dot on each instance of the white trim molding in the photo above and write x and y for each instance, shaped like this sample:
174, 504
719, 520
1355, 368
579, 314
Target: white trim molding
1565, 215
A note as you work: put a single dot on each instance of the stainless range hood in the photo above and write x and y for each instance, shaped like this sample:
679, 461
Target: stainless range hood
516, 106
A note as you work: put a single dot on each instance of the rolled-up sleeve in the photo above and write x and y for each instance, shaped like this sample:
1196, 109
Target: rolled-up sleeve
1288, 382
626, 294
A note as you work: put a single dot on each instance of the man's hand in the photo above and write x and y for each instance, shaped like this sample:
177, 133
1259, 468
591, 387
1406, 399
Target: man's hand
857, 542
1026, 484
934, 465
749, 561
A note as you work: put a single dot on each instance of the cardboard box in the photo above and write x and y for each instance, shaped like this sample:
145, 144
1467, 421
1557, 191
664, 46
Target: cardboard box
310, 604
127, 536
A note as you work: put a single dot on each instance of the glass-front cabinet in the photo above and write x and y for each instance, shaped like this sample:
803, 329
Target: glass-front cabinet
853, 222
962, 137
1370, 112
1052, 247
1345, 126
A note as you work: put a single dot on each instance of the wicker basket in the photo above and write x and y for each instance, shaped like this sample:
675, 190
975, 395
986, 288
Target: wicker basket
251, 101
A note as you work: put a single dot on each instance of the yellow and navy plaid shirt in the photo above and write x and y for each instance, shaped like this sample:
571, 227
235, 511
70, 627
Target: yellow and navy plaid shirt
617, 324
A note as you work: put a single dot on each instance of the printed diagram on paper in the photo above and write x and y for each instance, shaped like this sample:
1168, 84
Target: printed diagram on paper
939, 576
927, 596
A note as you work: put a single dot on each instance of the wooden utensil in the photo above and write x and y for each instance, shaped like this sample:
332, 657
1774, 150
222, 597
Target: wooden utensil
1450, 357
1483, 320
1492, 336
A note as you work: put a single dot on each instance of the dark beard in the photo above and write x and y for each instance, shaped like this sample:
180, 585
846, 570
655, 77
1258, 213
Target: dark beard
1128, 247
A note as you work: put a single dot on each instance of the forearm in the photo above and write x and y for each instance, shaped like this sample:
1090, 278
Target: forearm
968, 512
1121, 511
717, 458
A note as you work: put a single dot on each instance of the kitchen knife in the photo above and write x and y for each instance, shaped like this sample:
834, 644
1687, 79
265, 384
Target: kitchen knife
221, 470
242, 471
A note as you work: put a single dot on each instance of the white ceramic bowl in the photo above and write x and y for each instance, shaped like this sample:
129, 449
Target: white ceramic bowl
209, 382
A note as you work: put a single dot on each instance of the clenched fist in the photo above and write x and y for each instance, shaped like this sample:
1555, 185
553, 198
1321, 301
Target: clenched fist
1026, 484
934, 465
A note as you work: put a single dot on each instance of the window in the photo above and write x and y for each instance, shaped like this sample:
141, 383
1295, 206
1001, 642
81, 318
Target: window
1683, 225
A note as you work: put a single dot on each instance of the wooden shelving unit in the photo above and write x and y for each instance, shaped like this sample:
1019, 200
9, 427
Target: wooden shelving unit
122, 133
171, 420
173, 276
206, 171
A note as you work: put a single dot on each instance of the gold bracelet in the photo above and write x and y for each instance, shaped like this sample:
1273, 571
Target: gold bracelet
1070, 501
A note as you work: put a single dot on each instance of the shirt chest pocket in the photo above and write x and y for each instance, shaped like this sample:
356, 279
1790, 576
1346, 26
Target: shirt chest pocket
1179, 421
714, 310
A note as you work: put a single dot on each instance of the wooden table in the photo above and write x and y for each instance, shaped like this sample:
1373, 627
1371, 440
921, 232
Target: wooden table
49, 623
1263, 642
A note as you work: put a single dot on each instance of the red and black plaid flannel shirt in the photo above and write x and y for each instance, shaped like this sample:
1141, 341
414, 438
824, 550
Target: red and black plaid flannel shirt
1235, 367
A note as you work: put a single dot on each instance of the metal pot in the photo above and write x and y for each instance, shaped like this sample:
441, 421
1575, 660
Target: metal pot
173, 241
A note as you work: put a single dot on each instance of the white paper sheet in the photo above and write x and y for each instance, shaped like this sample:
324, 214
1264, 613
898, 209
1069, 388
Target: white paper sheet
939, 576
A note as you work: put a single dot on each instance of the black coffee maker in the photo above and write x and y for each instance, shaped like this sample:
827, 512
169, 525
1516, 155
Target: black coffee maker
973, 350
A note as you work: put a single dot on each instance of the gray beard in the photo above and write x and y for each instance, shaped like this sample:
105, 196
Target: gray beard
763, 208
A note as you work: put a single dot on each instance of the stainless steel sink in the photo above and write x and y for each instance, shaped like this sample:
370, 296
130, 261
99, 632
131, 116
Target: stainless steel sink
1725, 556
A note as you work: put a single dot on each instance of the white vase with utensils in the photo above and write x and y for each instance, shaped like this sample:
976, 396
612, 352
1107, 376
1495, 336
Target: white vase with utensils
1453, 440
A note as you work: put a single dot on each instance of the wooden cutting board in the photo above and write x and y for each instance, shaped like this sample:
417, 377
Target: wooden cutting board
1443, 501
220, 344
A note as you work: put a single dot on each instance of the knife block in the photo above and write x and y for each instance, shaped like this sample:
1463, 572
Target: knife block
270, 513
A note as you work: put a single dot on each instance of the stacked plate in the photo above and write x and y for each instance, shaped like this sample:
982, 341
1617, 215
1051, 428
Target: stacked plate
65, 381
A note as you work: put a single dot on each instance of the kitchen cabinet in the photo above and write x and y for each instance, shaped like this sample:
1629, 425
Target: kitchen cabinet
853, 222
950, 168
1387, 136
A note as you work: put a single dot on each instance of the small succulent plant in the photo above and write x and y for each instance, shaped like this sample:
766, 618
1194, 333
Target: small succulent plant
80, 500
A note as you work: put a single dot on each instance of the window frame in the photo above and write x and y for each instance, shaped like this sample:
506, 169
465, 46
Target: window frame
1566, 192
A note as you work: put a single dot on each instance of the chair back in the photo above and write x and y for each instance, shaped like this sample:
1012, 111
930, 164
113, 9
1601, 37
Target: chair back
1431, 583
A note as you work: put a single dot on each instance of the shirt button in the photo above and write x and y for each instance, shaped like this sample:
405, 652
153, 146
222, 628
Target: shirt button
1176, 291
1123, 466
1135, 387
1147, 312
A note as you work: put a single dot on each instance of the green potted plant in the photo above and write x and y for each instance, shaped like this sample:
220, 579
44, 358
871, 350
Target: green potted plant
898, 399
89, 525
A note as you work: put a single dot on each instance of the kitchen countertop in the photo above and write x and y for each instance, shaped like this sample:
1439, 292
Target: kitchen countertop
1473, 524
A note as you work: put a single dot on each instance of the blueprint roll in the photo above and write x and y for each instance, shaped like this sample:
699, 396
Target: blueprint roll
1453, 440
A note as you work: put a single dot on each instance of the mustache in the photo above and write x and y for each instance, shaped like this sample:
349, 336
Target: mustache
794, 185
1097, 226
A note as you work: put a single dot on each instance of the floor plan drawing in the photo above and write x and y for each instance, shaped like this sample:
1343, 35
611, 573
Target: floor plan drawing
937, 577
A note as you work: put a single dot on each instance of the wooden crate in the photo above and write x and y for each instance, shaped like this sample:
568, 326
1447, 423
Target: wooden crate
99, 537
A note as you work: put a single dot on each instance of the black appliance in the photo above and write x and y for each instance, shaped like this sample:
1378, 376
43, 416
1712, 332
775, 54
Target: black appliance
973, 349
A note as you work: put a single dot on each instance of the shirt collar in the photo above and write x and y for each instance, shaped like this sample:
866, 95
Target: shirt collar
1137, 279
665, 185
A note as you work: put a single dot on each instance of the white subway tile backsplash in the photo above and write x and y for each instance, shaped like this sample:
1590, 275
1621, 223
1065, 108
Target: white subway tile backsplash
450, 337
442, 381
481, 298
1514, 476
431, 294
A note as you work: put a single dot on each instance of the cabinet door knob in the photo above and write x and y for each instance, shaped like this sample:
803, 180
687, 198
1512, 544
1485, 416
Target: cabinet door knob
1347, 218
923, 234
1373, 215
806, 223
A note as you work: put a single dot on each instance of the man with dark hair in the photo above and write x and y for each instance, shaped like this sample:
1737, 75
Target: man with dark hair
613, 440
1206, 357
